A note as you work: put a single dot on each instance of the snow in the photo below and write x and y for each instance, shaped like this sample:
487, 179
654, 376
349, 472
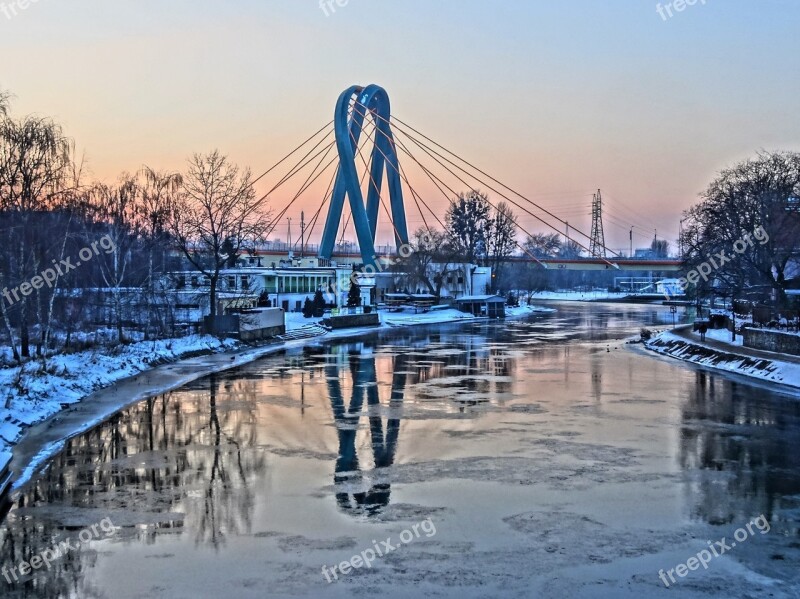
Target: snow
578, 296
722, 335
410, 316
42, 388
296, 320
772, 370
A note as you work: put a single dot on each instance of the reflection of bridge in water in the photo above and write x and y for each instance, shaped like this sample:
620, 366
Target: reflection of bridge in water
197, 463
352, 494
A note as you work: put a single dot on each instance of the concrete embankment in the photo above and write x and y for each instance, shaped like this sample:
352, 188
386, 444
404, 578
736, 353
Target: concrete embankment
765, 366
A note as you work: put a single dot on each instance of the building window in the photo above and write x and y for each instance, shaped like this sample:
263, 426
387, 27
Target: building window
245, 282
231, 282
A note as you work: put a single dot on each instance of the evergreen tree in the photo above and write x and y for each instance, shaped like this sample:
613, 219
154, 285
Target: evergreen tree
318, 306
354, 295
308, 308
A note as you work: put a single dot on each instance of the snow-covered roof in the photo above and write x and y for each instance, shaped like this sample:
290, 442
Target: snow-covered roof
480, 298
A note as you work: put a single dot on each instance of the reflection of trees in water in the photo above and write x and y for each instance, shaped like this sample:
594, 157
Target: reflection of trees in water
744, 443
167, 464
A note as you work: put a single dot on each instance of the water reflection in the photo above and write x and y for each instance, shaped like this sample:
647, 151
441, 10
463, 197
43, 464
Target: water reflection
741, 444
170, 465
195, 465
351, 495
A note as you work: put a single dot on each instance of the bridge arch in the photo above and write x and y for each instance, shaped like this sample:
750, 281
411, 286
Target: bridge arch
353, 106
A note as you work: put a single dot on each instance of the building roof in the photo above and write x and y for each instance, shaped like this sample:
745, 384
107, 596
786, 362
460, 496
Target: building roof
481, 298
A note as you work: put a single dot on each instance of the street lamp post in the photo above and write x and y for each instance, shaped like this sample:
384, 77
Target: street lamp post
631, 240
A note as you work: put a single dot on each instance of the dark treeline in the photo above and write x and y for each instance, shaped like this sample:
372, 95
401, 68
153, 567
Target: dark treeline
78, 256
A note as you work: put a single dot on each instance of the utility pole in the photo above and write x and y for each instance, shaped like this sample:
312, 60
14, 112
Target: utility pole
302, 234
631, 238
289, 233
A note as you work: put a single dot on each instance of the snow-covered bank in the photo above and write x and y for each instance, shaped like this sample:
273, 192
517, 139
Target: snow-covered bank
411, 318
732, 358
578, 296
111, 379
40, 389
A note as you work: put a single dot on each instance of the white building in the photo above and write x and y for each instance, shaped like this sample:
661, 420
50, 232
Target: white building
287, 285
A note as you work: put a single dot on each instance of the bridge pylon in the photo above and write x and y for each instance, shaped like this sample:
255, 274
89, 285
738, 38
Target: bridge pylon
348, 126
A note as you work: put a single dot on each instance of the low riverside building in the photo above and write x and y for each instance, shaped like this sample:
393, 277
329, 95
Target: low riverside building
287, 285
491, 306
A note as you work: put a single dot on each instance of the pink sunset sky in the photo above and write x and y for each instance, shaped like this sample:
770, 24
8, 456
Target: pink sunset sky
556, 99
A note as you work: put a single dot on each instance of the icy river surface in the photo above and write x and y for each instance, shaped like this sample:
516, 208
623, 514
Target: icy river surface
526, 458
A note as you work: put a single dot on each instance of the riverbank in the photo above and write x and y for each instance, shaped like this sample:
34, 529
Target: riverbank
498, 425
69, 394
719, 353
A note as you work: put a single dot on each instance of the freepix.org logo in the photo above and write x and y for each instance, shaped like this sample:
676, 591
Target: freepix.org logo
328, 7
49, 276
13, 8
705, 270
670, 9
58, 551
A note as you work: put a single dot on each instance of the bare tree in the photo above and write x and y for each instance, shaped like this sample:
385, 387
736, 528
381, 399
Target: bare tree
468, 224
431, 261
5, 101
216, 217
159, 193
35, 163
71, 200
543, 245
501, 240
569, 250
660, 248
761, 194
115, 209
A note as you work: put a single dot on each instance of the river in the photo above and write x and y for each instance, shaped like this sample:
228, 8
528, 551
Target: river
525, 458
